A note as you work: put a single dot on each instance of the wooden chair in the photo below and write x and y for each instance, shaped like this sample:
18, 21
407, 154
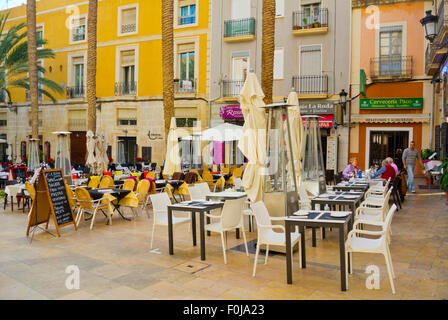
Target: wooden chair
86, 204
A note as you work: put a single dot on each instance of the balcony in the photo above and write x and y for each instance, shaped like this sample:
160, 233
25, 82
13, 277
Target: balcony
231, 88
185, 86
239, 30
125, 88
438, 50
311, 86
75, 92
305, 24
391, 68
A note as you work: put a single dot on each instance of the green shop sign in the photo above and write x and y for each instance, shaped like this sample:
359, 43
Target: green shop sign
392, 103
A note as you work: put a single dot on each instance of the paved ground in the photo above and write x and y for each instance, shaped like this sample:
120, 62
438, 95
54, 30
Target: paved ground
115, 262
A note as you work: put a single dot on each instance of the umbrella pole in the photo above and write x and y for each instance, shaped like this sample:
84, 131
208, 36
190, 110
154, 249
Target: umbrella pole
291, 160
268, 141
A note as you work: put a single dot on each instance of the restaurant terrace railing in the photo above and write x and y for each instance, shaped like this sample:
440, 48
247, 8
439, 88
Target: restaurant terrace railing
239, 27
311, 84
302, 20
125, 88
392, 67
231, 88
75, 92
185, 86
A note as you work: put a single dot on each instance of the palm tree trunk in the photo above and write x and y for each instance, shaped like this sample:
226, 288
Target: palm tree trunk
168, 62
267, 49
32, 66
91, 65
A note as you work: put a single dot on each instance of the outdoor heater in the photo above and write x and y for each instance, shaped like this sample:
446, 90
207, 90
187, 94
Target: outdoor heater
120, 152
63, 154
280, 190
313, 174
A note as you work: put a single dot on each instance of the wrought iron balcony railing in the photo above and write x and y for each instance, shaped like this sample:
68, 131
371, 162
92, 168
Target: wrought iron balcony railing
128, 28
391, 67
185, 86
239, 27
303, 20
125, 88
311, 84
231, 88
75, 92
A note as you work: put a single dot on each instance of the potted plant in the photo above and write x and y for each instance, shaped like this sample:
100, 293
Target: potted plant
305, 23
111, 160
425, 154
444, 176
316, 23
139, 159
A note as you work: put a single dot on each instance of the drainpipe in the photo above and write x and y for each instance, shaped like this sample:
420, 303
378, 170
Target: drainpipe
431, 119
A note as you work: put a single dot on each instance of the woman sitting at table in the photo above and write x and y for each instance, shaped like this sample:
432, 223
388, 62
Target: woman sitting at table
351, 170
386, 171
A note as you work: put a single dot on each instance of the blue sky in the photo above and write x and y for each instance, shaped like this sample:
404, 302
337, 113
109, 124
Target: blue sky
10, 3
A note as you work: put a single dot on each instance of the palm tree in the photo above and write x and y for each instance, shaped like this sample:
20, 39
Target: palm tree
91, 65
32, 66
267, 49
14, 64
168, 62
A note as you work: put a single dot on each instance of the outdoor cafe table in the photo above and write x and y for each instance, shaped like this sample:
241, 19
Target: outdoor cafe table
193, 207
216, 176
226, 195
119, 194
339, 198
317, 219
14, 190
347, 186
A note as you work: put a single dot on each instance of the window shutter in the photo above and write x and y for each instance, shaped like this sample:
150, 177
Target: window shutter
241, 9
127, 114
185, 47
280, 8
3, 116
77, 120
310, 60
183, 3
129, 16
278, 63
77, 22
127, 58
78, 60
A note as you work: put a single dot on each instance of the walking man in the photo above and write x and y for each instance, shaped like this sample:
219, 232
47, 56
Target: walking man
410, 156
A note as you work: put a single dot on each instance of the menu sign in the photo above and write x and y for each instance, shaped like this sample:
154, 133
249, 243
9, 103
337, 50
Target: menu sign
19, 172
58, 197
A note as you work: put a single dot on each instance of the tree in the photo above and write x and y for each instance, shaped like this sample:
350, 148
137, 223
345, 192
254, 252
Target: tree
168, 62
32, 66
91, 65
14, 64
267, 49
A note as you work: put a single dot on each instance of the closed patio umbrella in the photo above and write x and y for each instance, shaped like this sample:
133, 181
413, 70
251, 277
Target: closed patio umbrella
296, 126
253, 139
172, 160
90, 162
100, 164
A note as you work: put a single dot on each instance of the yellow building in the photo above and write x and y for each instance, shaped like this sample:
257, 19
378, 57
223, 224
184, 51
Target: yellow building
129, 76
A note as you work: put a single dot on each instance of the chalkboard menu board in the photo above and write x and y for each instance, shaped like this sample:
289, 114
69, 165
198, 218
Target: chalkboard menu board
58, 197
51, 199
19, 172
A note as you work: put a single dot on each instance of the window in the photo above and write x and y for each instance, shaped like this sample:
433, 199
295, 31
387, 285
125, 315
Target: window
127, 117
241, 9
188, 14
39, 36
310, 14
310, 60
30, 117
3, 119
78, 29
128, 71
240, 67
78, 77
278, 63
391, 46
280, 8
186, 122
128, 20
186, 66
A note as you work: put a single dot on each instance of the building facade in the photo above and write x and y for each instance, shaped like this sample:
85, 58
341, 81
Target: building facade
129, 76
312, 57
436, 65
388, 74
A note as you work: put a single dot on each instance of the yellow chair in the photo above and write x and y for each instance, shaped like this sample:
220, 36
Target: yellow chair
86, 204
197, 173
238, 172
169, 190
142, 193
231, 181
151, 175
220, 184
129, 184
182, 191
136, 175
207, 177
225, 170
107, 182
30, 188
72, 199
205, 169
94, 182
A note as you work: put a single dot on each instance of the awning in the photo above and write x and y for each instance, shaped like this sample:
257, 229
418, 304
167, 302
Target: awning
325, 121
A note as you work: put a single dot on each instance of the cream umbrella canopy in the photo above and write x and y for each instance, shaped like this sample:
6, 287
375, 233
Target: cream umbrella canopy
172, 159
100, 164
90, 162
253, 138
296, 124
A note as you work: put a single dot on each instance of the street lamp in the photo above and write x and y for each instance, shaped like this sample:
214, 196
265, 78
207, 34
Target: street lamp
343, 97
429, 23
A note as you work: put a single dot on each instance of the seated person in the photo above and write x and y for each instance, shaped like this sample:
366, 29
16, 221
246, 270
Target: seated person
351, 170
386, 171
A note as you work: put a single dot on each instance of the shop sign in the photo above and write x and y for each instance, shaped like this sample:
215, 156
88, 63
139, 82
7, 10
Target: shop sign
392, 103
316, 108
231, 112
325, 121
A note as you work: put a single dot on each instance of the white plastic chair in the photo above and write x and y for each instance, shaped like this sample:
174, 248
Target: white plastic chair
203, 187
195, 193
230, 219
373, 209
378, 190
356, 243
160, 203
266, 234
238, 183
305, 202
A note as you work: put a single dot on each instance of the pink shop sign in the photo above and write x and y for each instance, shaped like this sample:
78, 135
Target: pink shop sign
231, 112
